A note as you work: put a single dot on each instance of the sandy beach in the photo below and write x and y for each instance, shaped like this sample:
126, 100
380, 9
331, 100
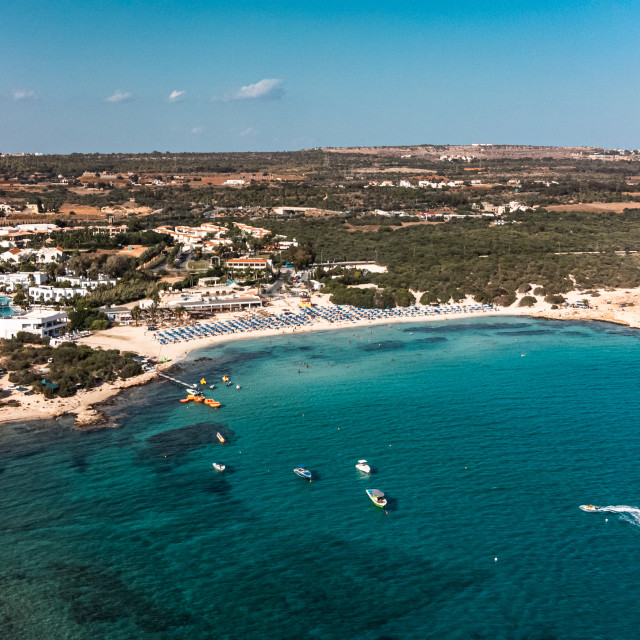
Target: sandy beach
620, 306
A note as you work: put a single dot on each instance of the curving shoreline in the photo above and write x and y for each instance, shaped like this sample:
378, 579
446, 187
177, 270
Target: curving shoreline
85, 405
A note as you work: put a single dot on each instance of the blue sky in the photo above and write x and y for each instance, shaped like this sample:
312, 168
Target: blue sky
214, 76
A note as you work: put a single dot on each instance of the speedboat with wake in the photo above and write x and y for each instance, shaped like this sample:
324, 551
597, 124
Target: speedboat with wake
589, 507
377, 497
363, 466
303, 472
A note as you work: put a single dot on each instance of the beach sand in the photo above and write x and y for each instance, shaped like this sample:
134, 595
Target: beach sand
606, 307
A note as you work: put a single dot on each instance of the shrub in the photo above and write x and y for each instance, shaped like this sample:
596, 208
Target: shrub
527, 301
100, 324
554, 298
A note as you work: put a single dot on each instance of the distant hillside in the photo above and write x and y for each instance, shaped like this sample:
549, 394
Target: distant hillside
487, 152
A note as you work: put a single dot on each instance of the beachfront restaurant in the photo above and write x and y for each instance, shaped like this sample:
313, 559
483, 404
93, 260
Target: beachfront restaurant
210, 304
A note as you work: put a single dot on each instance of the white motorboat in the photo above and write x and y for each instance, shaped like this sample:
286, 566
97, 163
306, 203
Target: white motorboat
363, 466
377, 497
220, 437
589, 507
303, 472
238, 387
219, 467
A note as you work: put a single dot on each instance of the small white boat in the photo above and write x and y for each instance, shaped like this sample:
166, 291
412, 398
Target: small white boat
238, 387
363, 466
303, 472
377, 497
212, 386
589, 507
219, 467
220, 437
229, 384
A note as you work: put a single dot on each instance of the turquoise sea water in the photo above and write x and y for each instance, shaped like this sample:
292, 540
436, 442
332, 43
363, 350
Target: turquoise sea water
5, 310
486, 436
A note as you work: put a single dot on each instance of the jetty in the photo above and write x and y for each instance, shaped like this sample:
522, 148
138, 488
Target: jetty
180, 383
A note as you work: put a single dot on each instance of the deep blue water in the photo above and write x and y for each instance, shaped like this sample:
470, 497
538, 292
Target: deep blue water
486, 436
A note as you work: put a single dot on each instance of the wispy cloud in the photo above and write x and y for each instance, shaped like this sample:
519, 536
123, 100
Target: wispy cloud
120, 96
247, 132
269, 88
197, 130
22, 94
177, 96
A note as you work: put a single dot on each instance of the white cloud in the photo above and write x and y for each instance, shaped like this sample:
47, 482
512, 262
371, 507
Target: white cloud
22, 94
177, 96
120, 96
247, 132
197, 130
267, 88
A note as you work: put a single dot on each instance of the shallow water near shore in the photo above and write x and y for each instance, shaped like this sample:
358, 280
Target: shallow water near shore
486, 435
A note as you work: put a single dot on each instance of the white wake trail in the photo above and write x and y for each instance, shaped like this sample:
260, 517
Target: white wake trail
627, 513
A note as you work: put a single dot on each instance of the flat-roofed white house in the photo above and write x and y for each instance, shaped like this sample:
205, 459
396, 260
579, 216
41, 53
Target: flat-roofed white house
11, 280
56, 294
50, 254
43, 322
87, 283
121, 315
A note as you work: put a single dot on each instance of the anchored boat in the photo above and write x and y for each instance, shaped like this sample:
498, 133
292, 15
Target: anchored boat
363, 466
303, 472
377, 497
220, 437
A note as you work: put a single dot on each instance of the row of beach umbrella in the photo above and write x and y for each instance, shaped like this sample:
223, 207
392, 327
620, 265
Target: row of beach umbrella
306, 317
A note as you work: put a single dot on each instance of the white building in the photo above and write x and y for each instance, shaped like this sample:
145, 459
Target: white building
262, 264
56, 294
43, 322
37, 227
86, 283
256, 232
121, 315
50, 254
16, 255
11, 280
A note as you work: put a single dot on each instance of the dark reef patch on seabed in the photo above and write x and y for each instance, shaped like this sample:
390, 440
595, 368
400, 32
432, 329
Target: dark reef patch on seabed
431, 340
384, 345
99, 595
177, 443
528, 332
454, 327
